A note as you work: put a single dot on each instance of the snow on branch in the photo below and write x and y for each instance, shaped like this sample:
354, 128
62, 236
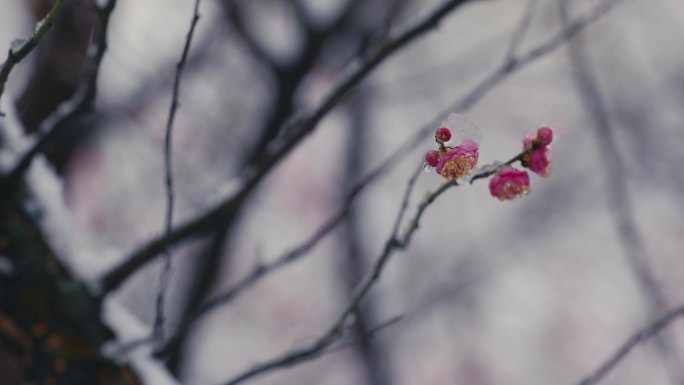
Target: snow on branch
23, 47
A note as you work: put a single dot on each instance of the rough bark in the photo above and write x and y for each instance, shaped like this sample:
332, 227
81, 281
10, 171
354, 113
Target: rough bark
50, 326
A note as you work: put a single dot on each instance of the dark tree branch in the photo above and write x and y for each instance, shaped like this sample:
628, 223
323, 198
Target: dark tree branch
195, 228
56, 126
236, 18
101, 45
642, 335
290, 76
370, 333
14, 56
209, 268
168, 175
51, 313
299, 129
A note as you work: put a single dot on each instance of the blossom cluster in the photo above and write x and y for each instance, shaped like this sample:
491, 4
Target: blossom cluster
454, 159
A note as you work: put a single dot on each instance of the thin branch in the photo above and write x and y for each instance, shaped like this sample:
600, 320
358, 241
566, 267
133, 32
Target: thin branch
14, 56
395, 242
168, 176
285, 259
368, 335
642, 335
82, 102
105, 15
517, 62
209, 265
299, 129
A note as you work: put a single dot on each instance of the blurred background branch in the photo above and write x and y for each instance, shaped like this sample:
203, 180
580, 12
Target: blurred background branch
618, 195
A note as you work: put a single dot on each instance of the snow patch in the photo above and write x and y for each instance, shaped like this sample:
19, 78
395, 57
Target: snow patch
128, 328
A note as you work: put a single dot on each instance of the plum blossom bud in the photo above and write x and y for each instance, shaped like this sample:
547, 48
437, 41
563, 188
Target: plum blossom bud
461, 129
442, 135
545, 135
509, 184
432, 157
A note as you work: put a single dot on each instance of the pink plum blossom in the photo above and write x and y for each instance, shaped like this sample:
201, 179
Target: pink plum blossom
509, 184
538, 159
458, 161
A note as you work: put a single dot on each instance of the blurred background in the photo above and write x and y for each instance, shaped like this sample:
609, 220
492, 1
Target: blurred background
540, 290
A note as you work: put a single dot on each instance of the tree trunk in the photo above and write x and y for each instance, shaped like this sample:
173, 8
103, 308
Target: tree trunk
50, 326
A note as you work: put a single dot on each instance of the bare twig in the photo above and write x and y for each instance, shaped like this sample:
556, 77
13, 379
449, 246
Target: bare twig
620, 202
209, 265
14, 56
642, 335
285, 259
298, 130
369, 333
82, 102
394, 242
168, 176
